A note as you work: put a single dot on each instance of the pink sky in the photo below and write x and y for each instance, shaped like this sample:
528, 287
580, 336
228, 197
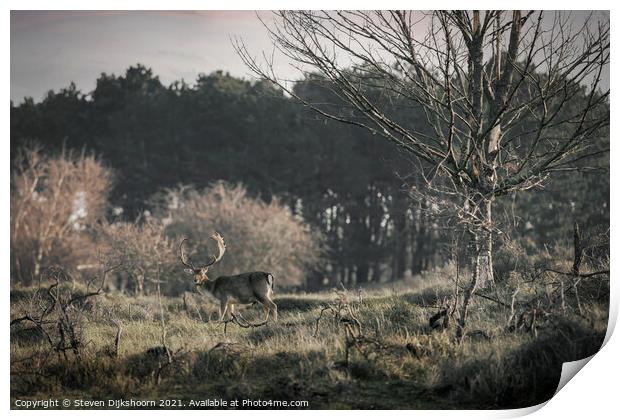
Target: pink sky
49, 49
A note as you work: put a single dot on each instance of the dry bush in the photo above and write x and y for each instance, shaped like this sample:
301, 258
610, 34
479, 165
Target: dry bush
259, 236
143, 251
54, 200
58, 311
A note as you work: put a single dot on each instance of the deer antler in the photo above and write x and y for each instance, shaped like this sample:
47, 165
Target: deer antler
221, 247
182, 256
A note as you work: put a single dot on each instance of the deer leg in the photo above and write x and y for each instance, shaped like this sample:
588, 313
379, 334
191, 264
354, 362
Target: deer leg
273, 308
266, 307
270, 307
223, 309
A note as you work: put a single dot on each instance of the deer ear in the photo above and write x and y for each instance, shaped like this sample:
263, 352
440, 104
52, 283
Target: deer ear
189, 271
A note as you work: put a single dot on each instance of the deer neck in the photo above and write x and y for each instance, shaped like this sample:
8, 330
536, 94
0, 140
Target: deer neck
209, 286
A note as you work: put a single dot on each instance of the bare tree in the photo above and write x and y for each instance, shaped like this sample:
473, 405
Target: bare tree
142, 248
53, 201
510, 97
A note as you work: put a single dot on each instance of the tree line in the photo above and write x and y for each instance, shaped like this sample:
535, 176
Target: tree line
352, 187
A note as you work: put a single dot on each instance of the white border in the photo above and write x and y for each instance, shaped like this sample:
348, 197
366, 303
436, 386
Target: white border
593, 394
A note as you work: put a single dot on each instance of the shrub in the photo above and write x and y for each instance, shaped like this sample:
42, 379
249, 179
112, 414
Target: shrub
143, 251
54, 200
259, 236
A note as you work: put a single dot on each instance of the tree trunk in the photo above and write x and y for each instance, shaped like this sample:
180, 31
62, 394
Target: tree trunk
350, 274
341, 276
361, 275
480, 251
418, 252
400, 253
376, 272
484, 248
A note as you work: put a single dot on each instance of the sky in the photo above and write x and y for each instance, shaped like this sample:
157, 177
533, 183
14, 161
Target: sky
49, 49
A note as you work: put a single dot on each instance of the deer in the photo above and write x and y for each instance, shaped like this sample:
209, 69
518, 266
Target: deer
243, 289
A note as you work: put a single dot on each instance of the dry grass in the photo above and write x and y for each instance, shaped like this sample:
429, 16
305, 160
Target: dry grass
397, 361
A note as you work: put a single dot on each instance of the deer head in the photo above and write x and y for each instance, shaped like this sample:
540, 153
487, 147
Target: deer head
200, 273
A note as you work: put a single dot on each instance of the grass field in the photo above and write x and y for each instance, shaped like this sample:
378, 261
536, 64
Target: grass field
394, 361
